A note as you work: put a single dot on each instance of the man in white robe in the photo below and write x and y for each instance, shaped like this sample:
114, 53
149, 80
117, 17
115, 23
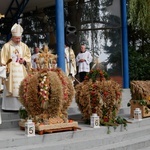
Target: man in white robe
83, 61
18, 55
70, 62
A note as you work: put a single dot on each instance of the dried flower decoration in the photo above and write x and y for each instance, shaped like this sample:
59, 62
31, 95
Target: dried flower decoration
98, 94
46, 93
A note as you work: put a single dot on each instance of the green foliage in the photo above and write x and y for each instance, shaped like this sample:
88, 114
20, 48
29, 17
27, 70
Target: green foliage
97, 75
140, 102
139, 54
115, 123
139, 65
128, 104
139, 14
23, 113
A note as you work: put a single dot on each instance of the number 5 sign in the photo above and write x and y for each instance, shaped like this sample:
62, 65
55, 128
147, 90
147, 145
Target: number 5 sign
29, 128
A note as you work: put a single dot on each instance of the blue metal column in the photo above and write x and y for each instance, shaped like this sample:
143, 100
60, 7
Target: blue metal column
60, 44
125, 45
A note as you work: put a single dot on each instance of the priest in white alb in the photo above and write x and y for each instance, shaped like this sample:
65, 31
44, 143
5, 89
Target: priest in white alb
17, 57
70, 62
83, 60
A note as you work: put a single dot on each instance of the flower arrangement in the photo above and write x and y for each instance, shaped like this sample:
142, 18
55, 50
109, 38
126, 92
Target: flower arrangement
98, 94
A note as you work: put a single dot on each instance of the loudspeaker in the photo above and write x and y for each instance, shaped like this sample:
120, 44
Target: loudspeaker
70, 35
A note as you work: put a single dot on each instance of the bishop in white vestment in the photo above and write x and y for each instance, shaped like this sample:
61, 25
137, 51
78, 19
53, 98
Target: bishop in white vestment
20, 56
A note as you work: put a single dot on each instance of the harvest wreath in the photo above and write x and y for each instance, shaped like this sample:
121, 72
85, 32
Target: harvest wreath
140, 97
98, 94
46, 95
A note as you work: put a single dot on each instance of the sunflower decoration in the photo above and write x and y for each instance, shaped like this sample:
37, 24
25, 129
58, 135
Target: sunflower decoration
98, 94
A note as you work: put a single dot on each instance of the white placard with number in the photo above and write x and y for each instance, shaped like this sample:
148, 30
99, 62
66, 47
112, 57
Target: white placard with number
29, 128
95, 121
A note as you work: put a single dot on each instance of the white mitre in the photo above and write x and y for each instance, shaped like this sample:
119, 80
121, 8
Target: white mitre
16, 30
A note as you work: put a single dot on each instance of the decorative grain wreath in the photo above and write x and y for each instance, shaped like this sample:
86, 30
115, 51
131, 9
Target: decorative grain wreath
98, 94
46, 93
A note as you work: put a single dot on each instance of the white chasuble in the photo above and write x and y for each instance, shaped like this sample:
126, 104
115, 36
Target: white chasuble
70, 62
17, 72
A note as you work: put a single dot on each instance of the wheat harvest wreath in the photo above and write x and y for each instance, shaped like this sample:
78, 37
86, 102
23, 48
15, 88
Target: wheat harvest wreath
46, 95
98, 94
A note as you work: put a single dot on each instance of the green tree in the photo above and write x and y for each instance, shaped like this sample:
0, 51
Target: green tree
139, 54
139, 14
139, 39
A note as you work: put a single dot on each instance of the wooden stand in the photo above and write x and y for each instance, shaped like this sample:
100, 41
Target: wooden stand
135, 104
73, 126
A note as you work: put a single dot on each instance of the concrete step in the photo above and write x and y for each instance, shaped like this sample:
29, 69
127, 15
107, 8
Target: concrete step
126, 97
85, 138
124, 111
6, 124
139, 143
73, 109
9, 120
116, 141
132, 144
145, 148
9, 115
